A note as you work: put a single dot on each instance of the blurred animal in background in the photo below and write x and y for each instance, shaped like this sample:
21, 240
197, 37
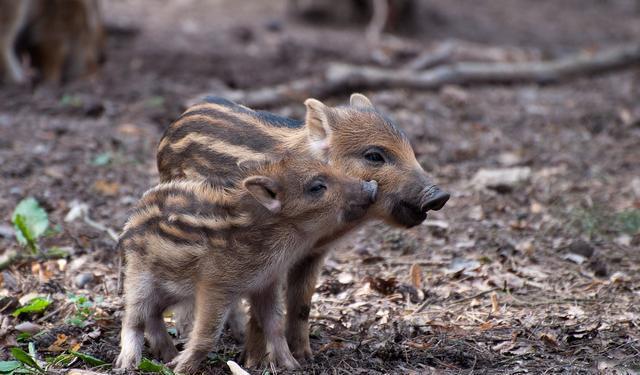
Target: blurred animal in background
379, 15
62, 39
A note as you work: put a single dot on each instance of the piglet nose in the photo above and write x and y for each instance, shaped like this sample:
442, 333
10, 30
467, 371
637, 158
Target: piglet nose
434, 199
371, 187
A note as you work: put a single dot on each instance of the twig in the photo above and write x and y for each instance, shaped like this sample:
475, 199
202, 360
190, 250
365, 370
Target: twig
474, 296
519, 302
455, 50
468, 73
340, 78
378, 20
54, 312
101, 227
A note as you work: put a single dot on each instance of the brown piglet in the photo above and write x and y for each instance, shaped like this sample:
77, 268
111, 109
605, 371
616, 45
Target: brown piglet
212, 138
205, 245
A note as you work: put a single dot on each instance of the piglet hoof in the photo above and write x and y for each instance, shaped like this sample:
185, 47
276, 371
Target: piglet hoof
167, 353
303, 354
252, 359
125, 361
284, 359
184, 363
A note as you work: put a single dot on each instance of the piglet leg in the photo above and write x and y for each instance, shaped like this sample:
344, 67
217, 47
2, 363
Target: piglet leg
211, 307
301, 285
266, 318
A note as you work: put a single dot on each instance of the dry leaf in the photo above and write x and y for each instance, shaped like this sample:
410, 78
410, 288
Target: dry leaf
106, 188
57, 345
549, 339
418, 345
383, 286
416, 275
495, 308
486, 326
236, 369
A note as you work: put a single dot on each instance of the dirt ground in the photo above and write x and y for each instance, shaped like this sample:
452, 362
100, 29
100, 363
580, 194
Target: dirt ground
541, 277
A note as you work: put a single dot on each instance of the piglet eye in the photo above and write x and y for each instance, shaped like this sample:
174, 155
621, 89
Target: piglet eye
374, 157
317, 187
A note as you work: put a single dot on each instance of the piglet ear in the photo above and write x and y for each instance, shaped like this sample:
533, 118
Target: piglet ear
318, 125
265, 191
359, 100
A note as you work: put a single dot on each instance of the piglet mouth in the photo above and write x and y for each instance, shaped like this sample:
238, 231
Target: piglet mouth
433, 199
413, 214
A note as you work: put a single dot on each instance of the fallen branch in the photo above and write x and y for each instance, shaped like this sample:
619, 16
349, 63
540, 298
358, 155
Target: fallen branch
454, 51
340, 78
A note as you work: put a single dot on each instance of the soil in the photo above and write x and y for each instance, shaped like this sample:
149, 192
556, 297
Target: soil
539, 277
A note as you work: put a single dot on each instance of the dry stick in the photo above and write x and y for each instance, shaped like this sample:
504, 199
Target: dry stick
451, 50
54, 312
378, 20
341, 78
424, 304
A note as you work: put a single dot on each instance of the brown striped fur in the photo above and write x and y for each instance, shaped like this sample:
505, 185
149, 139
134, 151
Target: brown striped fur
191, 240
211, 139
63, 38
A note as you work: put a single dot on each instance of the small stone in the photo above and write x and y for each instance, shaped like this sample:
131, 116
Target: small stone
575, 258
582, 248
9, 281
501, 180
6, 231
83, 279
476, 213
599, 268
635, 186
28, 327
345, 278
509, 159
454, 95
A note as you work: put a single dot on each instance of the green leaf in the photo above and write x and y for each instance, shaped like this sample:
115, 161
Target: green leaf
25, 358
30, 220
23, 336
155, 102
147, 365
36, 305
77, 321
88, 359
70, 100
64, 359
56, 253
32, 350
629, 221
9, 366
102, 159
23, 234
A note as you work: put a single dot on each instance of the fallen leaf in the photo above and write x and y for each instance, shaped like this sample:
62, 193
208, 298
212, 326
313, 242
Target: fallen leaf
383, 286
575, 258
549, 339
415, 273
495, 308
106, 188
236, 369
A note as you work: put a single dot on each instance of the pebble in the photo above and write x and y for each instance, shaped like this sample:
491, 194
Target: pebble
582, 248
6, 231
81, 280
501, 180
28, 327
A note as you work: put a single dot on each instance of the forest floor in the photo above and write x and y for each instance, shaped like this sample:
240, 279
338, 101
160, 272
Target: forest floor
538, 276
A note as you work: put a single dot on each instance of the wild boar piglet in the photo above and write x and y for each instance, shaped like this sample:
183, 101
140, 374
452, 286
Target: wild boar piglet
212, 138
194, 242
